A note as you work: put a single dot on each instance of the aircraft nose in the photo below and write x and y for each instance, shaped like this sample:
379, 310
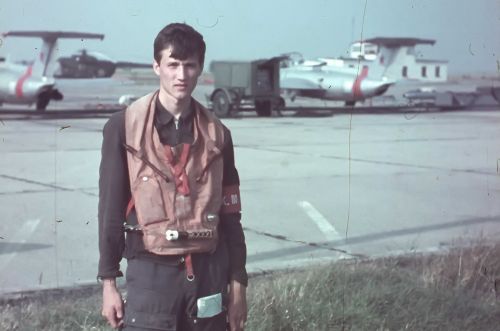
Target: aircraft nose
374, 87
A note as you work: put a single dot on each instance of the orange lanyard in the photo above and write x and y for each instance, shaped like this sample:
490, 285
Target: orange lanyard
179, 168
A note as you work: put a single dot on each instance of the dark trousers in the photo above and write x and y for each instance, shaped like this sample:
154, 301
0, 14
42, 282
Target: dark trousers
160, 297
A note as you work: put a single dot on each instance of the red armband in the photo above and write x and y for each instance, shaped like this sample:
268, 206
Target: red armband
231, 202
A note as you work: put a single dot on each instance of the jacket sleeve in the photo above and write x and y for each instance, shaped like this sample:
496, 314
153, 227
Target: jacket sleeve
231, 221
114, 193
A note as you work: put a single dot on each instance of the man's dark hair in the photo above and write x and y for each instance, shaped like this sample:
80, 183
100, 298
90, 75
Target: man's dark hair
184, 40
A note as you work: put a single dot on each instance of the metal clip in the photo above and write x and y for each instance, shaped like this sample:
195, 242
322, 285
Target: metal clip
172, 235
131, 228
212, 217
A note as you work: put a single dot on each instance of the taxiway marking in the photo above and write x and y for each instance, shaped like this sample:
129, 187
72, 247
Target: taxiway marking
321, 222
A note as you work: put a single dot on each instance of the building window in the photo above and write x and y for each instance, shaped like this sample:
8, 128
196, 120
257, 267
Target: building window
438, 71
404, 73
424, 71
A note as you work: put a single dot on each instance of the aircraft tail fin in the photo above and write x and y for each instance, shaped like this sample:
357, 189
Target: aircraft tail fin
45, 61
388, 57
394, 53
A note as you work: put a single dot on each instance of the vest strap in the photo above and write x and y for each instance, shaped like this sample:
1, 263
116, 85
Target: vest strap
179, 168
130, 206
189, 268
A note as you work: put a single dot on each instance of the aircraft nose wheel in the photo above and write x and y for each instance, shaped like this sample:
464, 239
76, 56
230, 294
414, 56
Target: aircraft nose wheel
42, 103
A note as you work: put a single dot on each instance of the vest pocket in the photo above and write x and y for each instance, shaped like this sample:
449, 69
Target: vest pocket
149, 199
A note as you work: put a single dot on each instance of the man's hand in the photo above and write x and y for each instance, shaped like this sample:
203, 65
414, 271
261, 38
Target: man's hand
112, 304
237, 307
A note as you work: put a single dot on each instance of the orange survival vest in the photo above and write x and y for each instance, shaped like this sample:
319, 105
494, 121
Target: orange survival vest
177, 199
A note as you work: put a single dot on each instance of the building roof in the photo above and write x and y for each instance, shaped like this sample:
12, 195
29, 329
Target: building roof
397, 42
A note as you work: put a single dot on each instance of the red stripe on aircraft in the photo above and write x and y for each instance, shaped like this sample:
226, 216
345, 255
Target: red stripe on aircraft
21, 80
356, 87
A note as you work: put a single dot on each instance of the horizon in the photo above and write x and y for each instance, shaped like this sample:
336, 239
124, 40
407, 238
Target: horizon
259, 29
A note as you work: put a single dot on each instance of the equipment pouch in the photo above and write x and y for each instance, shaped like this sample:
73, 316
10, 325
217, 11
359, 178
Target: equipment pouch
209, 306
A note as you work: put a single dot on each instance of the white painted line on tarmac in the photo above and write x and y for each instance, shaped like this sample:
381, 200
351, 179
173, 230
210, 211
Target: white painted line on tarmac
20, 237
322, 223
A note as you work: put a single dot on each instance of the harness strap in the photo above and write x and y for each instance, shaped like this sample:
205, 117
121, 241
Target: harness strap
130, 205
189, 268
179, 168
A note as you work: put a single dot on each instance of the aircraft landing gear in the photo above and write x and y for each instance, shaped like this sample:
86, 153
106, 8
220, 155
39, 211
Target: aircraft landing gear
45, 97
42, 102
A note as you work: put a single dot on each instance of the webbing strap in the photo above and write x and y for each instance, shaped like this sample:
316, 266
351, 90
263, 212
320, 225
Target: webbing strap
179, 168
189, 268
130, 205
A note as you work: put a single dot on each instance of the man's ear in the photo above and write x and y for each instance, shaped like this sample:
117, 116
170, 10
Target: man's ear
156, 67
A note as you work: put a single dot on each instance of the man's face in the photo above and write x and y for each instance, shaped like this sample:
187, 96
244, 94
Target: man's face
178, 78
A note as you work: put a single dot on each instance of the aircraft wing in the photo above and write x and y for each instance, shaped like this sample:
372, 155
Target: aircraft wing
125, 64
53, 34
45, 61
313, 63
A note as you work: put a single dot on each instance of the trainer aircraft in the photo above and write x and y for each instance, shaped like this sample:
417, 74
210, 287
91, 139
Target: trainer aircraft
372, 67
34, 83
316, 79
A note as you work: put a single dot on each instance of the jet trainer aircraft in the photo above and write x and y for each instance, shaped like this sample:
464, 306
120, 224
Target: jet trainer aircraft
34, 84
316, 79
373, 66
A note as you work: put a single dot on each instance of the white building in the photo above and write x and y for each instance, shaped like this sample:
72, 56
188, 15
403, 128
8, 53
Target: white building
395, 58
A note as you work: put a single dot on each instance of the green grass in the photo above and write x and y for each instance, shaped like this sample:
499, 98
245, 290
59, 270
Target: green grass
453, 291
363, 297
65, 310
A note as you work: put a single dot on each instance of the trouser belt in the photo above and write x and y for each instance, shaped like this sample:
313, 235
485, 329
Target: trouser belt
177, 235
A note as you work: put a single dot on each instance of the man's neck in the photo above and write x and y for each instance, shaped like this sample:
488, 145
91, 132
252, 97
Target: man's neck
174, 106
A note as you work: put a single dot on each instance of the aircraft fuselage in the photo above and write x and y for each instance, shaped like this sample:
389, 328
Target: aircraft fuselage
331, 85
17, 86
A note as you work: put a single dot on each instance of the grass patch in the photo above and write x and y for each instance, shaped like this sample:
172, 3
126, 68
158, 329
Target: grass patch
453, 291
60, 310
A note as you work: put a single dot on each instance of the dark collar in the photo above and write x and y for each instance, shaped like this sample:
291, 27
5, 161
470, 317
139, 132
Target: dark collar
163, 116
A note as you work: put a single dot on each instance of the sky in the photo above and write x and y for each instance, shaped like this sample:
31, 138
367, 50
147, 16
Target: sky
466, 32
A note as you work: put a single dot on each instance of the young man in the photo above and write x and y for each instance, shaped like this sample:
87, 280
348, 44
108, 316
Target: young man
168, 170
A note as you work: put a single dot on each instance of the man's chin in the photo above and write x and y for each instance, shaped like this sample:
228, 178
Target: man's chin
184, 96
181, 96
178, 95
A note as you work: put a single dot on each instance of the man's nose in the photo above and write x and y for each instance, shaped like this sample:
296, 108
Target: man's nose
181, 72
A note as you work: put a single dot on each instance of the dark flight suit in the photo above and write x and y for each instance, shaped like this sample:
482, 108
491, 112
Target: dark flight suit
159, 295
